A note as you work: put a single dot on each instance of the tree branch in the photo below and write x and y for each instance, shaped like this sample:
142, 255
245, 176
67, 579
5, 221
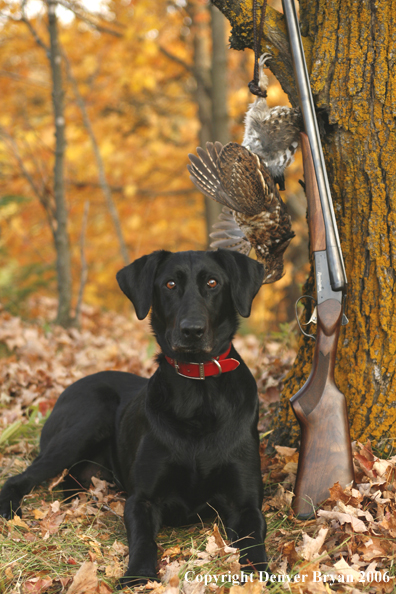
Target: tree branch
99, 162
176, 59
33, 31
275, 40
86, 19
23, 79
151, 193
41, 195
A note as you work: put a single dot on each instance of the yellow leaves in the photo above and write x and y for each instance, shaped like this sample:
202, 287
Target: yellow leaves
129, 191
39, 514
106, 148
89, 63
254, 587
8, 573
16, 521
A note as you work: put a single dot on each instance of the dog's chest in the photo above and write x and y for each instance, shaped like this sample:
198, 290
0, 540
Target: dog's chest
189, 490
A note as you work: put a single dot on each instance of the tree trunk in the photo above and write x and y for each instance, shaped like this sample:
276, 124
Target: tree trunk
351, 46
61, 236
203, 94
219, 100
220, 128
210, 71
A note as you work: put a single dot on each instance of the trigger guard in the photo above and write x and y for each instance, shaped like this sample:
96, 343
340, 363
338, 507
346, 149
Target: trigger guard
298, 319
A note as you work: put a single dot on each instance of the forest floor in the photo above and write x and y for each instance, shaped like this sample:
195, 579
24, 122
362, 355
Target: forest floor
78, 546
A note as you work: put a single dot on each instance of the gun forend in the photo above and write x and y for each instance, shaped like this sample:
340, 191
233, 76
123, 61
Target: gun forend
317, 233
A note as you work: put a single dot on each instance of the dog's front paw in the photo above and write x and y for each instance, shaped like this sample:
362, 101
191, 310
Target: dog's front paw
132, 579
254, 560
9, 506
11, 496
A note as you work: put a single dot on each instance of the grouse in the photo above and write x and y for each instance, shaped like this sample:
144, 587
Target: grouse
254, 214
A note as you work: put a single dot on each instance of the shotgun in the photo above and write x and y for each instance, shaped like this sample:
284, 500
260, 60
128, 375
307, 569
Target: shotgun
319, 406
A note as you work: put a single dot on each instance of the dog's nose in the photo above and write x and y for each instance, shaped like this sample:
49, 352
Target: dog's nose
191, 329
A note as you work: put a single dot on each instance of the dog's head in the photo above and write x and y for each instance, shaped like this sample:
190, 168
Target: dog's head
194, 296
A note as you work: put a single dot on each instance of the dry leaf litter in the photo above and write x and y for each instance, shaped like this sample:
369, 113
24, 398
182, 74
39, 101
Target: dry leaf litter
349, 545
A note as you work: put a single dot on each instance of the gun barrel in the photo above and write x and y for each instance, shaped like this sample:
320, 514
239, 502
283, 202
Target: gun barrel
333, 247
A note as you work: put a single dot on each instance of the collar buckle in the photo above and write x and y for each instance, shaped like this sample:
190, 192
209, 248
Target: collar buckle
201, 371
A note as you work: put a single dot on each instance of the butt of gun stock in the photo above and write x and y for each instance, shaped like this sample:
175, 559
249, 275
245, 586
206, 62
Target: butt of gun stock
320, 408
325, 453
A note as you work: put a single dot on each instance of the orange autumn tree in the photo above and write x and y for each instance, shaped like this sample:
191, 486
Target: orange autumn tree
142, 119
350, 53
126, 98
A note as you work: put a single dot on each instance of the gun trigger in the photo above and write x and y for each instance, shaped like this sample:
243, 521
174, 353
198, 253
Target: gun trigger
313, 319
345, 320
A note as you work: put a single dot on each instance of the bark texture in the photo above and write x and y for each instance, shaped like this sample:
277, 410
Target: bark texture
62, 245
202, 73
351, 53
219, 87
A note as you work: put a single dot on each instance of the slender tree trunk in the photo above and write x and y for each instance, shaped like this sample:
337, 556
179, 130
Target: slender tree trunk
203, 92
219, 88
63, 264
84, 265
350, 48
219, 99
210, 71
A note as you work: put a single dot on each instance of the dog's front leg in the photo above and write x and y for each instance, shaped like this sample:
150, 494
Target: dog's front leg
142, 521
246, 529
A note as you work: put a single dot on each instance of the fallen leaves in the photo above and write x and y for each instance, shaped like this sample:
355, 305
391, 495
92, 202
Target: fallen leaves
351, 541
85, 581
37, 585
349, 545
310, 547
356, 524
43, 362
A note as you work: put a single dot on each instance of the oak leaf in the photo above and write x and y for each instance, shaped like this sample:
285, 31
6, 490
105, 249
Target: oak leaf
310, 547
357, 525
85, 581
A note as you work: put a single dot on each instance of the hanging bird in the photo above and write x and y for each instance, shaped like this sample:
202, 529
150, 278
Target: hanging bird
254, 214
272, 134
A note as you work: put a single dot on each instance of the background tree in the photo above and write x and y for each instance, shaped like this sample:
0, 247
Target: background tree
210, 70
130, 107
350, 48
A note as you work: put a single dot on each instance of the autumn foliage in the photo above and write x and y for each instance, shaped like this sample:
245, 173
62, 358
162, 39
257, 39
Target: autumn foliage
131, 70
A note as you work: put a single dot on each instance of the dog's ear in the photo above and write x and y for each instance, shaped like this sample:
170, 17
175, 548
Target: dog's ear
246, 277
136, 281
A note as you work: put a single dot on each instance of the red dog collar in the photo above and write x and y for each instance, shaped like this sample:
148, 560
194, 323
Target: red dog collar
214, 367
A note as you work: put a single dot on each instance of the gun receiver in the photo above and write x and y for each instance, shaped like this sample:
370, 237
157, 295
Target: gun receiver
320, 408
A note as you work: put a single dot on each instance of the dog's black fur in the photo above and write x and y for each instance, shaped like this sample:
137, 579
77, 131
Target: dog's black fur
175, 444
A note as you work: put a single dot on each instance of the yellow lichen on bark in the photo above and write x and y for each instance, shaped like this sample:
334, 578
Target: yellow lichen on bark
353, 59
351, 50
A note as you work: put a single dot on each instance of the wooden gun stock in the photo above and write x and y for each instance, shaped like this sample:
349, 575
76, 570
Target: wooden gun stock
320, 408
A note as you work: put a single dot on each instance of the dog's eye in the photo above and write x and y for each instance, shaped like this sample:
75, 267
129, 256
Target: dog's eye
212, 283
171, 284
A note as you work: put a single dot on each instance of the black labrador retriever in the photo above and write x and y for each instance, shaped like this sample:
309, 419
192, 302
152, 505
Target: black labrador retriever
184, 440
